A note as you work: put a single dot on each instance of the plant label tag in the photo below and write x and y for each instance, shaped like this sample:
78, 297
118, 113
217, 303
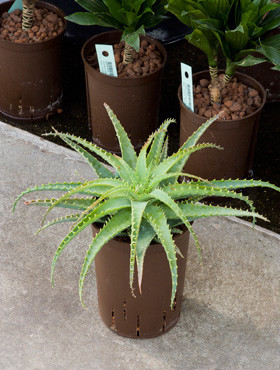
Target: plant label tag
16, 5
187, 86
106, 59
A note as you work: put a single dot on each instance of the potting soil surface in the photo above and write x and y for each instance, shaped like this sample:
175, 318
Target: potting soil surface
73, 119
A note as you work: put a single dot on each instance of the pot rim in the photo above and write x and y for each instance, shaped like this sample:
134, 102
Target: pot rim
233, 121
39, 4
116, 32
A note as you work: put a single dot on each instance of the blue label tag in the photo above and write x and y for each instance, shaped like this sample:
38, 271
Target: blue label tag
106, 59
16, 5
187, 86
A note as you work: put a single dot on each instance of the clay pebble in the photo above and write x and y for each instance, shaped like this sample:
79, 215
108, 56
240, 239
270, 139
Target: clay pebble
46, 25
147, 61
238, 100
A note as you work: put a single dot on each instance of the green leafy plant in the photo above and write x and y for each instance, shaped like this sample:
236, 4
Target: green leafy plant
142, 197
131, 17
238, 27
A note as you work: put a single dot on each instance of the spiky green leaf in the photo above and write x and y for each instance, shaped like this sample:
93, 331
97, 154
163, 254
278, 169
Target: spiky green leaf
68, 218
95, 164
156, 148
127, 149
156, 218
76, 203
164, 198
107, 208
53, 187
239, 184
137, 209
145, 237
107, 156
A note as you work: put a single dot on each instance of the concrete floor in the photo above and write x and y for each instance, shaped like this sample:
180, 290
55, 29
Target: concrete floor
230, 314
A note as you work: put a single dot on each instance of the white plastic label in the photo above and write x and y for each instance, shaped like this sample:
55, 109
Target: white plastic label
187, 86
16, 5
106, 59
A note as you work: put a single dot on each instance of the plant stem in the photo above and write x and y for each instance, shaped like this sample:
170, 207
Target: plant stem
128, 54
27, 14
213, 73
230, 69
215, 86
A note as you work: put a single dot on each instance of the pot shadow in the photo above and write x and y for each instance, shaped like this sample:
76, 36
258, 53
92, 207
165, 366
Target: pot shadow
223, 340
205, 338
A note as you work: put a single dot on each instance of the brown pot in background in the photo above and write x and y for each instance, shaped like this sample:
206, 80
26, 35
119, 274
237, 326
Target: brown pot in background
149, 314
135, 101
269, 79
30, 75
237, 137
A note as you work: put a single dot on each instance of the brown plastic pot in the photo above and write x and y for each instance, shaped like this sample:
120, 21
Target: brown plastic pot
30, 75
135, 101
269, 79
237, 137
149, 314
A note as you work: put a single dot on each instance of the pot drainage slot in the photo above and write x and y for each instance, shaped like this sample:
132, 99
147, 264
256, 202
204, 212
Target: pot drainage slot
113, 327
20, 108
164, 321
137, 326
124, 310
32, 111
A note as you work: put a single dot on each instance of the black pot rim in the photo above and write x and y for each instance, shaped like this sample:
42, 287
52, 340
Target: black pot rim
228, 121
117, 32
39, 4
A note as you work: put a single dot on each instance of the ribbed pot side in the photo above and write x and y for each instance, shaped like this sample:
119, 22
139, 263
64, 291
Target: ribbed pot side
30, 75
135, 101
237, 137
149, 314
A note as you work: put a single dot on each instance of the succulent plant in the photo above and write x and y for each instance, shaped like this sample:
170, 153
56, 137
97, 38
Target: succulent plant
142, 196
131, 17
238, 27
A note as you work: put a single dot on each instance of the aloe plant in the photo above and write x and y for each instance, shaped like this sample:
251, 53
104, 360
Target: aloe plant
142, 196
237, 27
131, 17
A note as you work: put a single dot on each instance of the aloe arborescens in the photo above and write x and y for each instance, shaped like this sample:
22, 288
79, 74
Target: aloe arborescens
142, 198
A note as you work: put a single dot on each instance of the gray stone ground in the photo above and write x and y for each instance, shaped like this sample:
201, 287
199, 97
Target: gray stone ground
231, 311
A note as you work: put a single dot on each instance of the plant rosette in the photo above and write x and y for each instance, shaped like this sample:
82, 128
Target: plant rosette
140, 200
33, 82
236, 136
